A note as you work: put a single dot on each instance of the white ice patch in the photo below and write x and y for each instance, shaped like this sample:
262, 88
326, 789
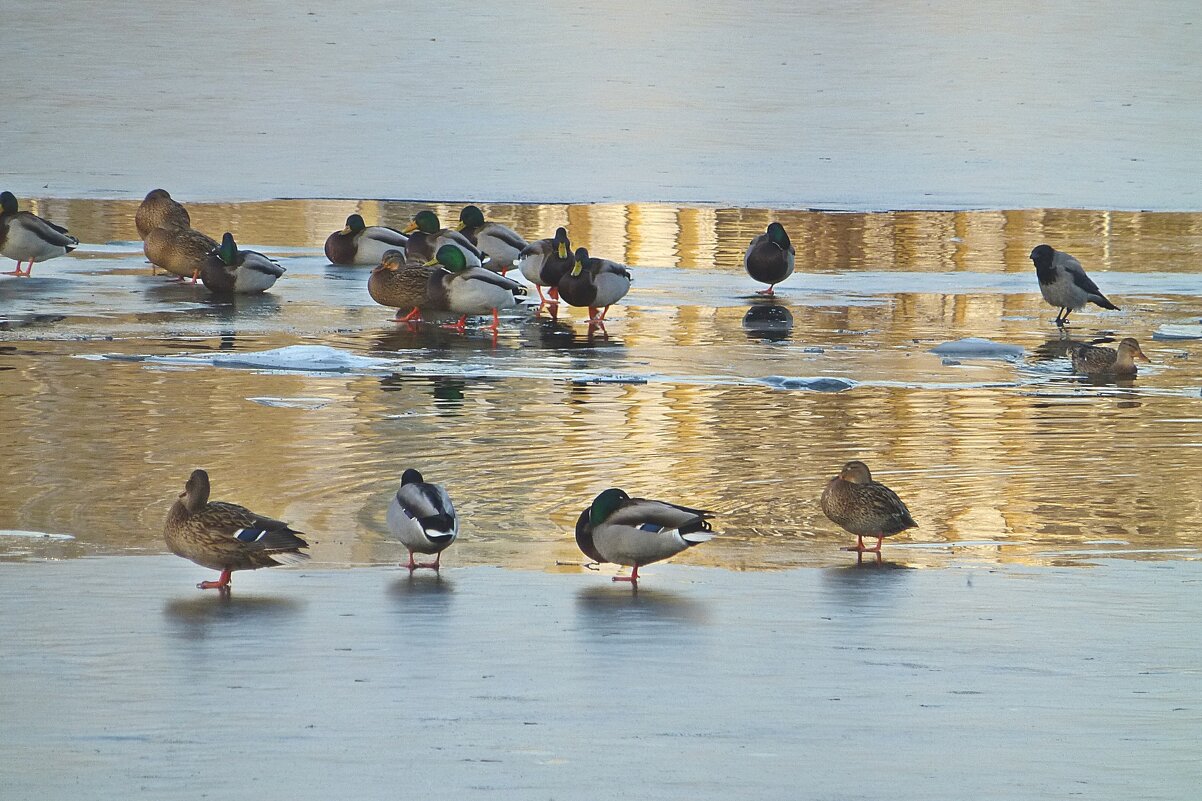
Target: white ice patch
298, 358
39, 535
978, 347
814, 384
1172, 332
293, 403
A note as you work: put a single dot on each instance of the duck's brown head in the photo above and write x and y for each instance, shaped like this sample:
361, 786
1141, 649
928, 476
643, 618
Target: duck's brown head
1131, 346
856, 472
392, 260
196, 491
155, 195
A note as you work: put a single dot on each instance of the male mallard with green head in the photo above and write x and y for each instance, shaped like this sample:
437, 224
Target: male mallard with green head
864, 507
545, 261
426, 236
358, 243
595, 283
500, 243
244, 272
24, 236
466, 290
423, 518
1093, 360
769, 258
225, 536
159, 209
398, 284
635, 532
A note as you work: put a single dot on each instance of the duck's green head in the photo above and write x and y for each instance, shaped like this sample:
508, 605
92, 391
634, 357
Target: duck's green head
470, 217
581, 258
777, 235
354, 224
562, 246
606, 504
228, 252
425, 221
8, 203
451, 258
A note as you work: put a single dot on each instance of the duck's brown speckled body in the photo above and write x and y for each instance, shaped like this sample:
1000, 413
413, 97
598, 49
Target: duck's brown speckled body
180, 251
864, 507
225, 536
400, 285
1093, 360
159, 209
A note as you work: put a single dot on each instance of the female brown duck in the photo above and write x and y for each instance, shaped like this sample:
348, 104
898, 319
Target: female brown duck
225, 536
864, 507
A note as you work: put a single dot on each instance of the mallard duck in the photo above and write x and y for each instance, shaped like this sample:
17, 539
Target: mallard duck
864, 507
358, 244
545, 261
426, 236
634, 531
397, 283
769, 258
422, 517
228, 270
500, 243
1064, 284
468, 290
24, 236
1098, 361
595, 283
180, 251
225, 536
159, 209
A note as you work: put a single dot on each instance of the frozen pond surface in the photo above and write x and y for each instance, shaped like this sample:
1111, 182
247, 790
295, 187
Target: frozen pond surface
792, 104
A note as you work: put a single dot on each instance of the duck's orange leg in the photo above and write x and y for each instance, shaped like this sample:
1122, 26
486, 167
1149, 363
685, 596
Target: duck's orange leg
767, 291
414, 316
18, 270
219, 584
459, 326
633, 578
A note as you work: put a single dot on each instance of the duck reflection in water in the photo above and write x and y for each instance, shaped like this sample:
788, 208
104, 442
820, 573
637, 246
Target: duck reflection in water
768, 321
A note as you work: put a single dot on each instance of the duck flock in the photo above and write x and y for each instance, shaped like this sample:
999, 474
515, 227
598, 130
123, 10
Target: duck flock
428, 268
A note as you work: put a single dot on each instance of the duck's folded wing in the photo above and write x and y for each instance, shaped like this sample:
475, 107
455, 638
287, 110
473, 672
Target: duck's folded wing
489, 277
48, 231
642, 513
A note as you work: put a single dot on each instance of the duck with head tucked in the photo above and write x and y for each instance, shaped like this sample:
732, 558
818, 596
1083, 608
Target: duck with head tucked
401, 285
864, 507
426, 236
769, 258
158, 209
595, 283
423, 518
26, 237
358, 243
230, 271
635, 531
545, 262
466, 290
1092, 360
500, 243
181, 251
225, 536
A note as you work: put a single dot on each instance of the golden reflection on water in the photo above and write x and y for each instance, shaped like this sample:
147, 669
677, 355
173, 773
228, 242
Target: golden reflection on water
1015, 464
659, 235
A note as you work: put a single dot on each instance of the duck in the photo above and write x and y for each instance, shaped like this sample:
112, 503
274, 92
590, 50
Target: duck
635, 531
399, 284
594, 283
426, 236
1064, 283
769, 257
179, 250
227, 537
24, 236
1092, 360
243, 272
464, 289
866, 508
158, 209
545, 261
358, 244
500, 243
423, 518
